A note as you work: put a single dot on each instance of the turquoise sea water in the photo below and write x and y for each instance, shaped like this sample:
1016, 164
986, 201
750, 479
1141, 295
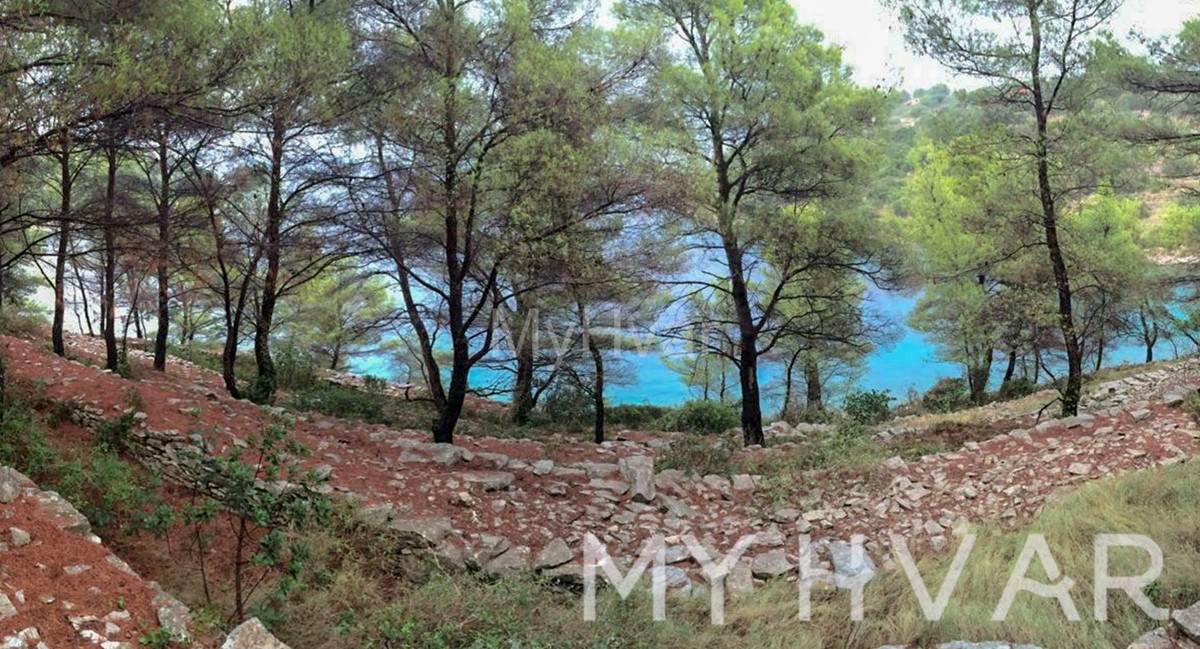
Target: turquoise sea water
909, 362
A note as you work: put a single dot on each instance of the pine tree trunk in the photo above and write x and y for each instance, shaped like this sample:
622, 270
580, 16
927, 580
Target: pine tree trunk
522, 394
112, 357
164, 242
66, 181
1073, 390
265, 384
815, 397
1011, 369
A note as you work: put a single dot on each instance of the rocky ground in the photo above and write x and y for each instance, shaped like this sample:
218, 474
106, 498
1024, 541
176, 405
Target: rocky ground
60, 587
501, 504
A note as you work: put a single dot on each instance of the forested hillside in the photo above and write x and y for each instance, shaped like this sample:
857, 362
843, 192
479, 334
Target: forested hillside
526, 189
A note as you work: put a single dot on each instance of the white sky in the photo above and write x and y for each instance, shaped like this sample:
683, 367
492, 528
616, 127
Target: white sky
875, 46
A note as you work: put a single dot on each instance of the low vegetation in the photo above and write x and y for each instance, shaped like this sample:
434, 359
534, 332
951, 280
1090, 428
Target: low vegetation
357, 594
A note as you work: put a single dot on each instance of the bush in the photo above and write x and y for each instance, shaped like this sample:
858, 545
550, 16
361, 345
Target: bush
106, 489
806, 415
22, 325
701, 416
699, 456
1015, 388
344, 402
638, 416
271, 498
114, 433
567, 404
869, 406
23, 445
947, 395
294, 369
1191, 404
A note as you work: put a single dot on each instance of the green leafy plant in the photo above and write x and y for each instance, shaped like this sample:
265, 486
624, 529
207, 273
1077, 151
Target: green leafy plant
567, 404
1015, 388
947, 395
114, 433
295, 369
699, 456
1191, 403
703, 416
631, 415
270, 497
807, 415
869, 406
159, 638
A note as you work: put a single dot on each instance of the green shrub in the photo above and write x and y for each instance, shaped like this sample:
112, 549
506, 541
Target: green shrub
806, 415
21, 325
23, 445
124, 367
637, 416
1191, 404
869, 406
1015, 388
369, 404
106, 489
114, 433
947, 395
266, 520
342, 401
703, 416
567, 404
699, 456
294, 369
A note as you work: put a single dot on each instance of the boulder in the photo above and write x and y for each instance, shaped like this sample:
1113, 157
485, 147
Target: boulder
1188, 621
770, 564
252, 635
173, 616
555, 554
490, 480
847, 562
446, 454
743, 486
514, 560
677, 507
675, 577
639, 471
1079, 468
18, 537
426, 532
785, 515
777, 429
599, 469
10, 485
67, 517
617, 487
489, 547
1156, 639
719, 484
